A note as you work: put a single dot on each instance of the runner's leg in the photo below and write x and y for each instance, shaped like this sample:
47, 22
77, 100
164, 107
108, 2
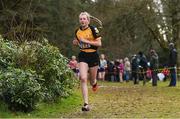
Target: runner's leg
83, 68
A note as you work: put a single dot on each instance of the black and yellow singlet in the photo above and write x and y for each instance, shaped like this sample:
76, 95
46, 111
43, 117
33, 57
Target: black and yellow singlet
90, 33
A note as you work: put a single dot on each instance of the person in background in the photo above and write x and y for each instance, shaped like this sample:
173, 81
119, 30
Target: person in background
134, 69
166, 72
73, 64
111, 71
88, 39
127, 69
116, 70
149, 74
121, 70
154, 64
102, 67
172, 64
142, 62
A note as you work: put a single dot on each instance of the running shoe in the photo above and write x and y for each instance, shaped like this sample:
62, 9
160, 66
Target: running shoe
85, 107
95, 87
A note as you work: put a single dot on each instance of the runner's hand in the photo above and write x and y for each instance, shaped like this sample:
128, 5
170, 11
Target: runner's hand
75, 42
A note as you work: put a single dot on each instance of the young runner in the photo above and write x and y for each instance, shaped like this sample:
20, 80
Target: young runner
88, 38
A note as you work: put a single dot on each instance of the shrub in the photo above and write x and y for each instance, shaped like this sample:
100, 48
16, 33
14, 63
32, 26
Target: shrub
59, 80
33, 71
20, 89
8, 50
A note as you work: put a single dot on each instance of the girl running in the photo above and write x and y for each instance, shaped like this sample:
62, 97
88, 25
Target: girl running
88, 38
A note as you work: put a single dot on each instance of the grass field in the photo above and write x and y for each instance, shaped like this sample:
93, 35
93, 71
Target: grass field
126, 100
113, 100
44, 110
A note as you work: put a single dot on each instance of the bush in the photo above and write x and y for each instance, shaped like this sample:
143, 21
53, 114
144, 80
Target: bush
20, 89
8, 50
33, 71
58, 77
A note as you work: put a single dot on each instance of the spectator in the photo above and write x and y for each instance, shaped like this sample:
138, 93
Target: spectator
121, 70
116, 70
154, 64
172, 64
111, 71
149, 74
102, 67
127, 69
134, 69
73, 64
166, 72
142, 61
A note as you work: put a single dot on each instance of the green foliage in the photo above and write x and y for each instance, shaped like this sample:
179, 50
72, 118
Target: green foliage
20, 89
33, 71
7, 51
128, 25
53, 66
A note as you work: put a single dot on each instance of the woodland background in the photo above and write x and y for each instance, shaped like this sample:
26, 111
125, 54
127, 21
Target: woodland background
129, 26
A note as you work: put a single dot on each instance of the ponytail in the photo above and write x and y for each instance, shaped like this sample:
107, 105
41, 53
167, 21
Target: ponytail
97, 20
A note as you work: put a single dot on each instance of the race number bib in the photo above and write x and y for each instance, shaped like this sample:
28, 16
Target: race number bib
84, 45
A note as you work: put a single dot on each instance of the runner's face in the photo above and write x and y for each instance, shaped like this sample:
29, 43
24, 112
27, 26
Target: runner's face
83, 20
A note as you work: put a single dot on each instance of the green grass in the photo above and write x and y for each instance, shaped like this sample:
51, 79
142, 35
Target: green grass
45, 110
112, 100
126, 100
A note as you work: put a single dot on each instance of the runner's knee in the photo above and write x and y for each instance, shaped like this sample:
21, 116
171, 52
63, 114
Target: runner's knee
83, 79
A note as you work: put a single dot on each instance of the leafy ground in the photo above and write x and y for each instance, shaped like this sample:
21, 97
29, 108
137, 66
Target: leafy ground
113, 100
125, 100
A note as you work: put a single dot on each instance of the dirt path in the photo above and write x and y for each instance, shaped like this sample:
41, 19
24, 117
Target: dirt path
135, 101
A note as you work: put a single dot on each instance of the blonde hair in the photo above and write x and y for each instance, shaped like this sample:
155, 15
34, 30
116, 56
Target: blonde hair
73, 57
102, 56
89, 17
126, 59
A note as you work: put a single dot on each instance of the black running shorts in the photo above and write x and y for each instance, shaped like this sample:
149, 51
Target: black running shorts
92, 58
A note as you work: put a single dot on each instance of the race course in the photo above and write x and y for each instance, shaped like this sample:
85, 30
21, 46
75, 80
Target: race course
126, 100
